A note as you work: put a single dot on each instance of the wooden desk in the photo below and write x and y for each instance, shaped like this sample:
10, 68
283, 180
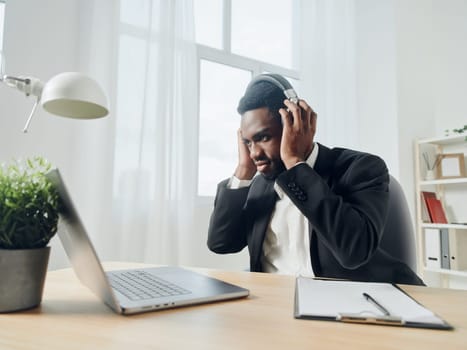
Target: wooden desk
71, 317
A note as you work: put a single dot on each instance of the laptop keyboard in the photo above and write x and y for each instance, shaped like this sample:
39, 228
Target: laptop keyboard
140, 285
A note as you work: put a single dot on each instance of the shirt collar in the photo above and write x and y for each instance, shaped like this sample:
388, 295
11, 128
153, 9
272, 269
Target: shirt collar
313, 156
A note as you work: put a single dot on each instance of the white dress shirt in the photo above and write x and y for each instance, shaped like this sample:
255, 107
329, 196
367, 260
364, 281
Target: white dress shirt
286, 247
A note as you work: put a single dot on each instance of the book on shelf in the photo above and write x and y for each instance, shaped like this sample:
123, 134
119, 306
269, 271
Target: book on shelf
435, 208
424, 209
436, 211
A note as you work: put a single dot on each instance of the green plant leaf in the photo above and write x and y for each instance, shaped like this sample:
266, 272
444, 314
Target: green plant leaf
28, 204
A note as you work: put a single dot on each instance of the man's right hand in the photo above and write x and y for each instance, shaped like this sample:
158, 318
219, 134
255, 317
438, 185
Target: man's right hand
246, 168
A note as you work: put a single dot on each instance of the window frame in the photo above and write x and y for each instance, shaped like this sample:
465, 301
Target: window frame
225, 56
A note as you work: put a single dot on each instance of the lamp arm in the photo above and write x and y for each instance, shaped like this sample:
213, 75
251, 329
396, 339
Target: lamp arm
26, 126
27, 85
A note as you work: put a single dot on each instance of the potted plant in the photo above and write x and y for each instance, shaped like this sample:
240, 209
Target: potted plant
28, 220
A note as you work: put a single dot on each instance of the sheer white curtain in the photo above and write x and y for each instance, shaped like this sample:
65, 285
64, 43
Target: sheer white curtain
329, 69
145, 52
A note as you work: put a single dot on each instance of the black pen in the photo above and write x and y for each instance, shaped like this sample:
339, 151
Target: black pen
378, 305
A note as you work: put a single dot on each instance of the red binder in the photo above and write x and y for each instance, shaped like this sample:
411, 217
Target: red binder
435, 208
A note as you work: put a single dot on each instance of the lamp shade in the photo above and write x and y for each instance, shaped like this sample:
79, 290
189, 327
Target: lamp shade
74, 95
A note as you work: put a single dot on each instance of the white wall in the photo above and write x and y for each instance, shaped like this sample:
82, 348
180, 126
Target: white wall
414, 84
377, 80
449, 52
33, 46
40, 41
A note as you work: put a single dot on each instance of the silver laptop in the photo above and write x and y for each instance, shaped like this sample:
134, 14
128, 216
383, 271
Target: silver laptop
136, 290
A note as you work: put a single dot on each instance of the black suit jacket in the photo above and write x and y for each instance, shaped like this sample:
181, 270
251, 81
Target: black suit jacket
344, 197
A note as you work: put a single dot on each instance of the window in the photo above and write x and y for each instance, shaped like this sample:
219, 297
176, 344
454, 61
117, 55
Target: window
220, 87
208, 22
236, 40
130, 128
264, 35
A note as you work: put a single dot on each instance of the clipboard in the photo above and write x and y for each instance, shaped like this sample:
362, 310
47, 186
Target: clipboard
361, 302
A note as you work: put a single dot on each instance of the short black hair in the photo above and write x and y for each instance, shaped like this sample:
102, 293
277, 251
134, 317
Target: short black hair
262, 94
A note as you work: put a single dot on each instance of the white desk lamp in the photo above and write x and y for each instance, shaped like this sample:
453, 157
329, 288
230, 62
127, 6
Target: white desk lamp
70, 94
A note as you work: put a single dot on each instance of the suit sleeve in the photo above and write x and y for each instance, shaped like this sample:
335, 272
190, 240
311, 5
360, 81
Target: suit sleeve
227, 233
347, 212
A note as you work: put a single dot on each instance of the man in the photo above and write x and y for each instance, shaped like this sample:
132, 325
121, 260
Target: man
312, 210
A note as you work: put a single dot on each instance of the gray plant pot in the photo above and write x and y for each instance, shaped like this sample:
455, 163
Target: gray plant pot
22, 276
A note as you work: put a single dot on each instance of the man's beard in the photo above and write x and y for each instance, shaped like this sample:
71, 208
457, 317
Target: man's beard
279, 167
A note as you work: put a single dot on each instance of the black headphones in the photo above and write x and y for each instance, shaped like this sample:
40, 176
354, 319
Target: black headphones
278, 81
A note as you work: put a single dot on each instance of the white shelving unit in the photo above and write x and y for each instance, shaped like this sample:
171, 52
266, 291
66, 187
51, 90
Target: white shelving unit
453, 195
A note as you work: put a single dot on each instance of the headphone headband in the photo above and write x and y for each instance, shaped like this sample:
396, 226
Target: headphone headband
278, 81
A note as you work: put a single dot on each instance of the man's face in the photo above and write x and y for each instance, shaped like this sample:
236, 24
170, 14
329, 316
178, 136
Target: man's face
262, 133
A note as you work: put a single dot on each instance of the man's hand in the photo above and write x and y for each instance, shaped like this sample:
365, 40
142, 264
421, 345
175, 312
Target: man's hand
299, 128
246, 168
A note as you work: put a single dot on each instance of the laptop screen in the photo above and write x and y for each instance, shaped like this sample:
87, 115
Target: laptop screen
78, 246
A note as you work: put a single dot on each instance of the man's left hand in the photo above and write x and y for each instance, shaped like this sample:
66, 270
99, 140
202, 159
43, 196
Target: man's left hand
299, 128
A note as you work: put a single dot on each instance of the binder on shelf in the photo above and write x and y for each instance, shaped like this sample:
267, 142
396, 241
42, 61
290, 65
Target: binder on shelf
458, 244
361, 302
432, 248
435, 208
445, 256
